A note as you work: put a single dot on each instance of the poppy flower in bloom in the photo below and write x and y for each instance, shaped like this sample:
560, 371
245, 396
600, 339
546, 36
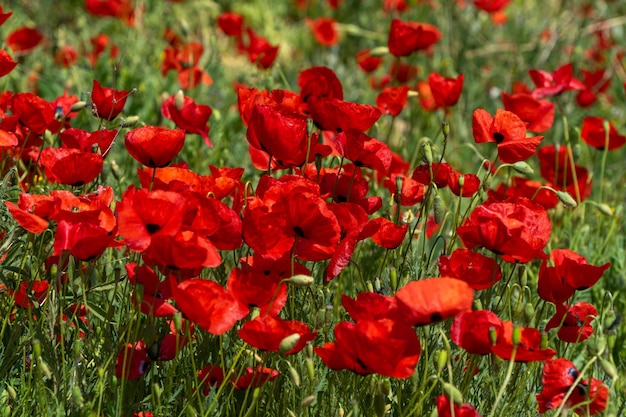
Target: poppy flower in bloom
527, 350
185, 253
155, 293
6, 63
431, 300
555, 166
508, 131
479, 271
24, 39
71, 166
84, 241
389, 235
526, 188
367, 62
188, 115
66, 56
4, 16
411, 193
107, 103
153, 146
260, 51
35, 113
29, 221
267, 332
324, 30
359, 347
446, 91
207, 304
391, 100
471, 330
538, 115
573, 322
517, 230
595, 82
589, 397
319, 83
570, 272
341, 116
260, 289
209, 376
132, 361
447, 409
550, 84
408, 37
230, 23
255, 377
491, 6
593, 133
29, 292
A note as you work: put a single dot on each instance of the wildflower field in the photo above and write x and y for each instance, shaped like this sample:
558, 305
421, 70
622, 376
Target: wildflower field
313, 208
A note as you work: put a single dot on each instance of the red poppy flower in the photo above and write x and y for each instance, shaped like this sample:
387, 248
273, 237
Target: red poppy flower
447, 409
570, 272
209, 376
471, 330
508, 131
370, 306
154, 147
231, 24
491, 6
207, 304
189, 116
446, 91
425, 96
30, 292
389, 235
594, 134
324, 30
259, 50
574, 323
191, 77
589, 397
31, 222
187, 253
107, 103
66, 56
155, 293
527, 350
4, 16
392, 100
538, 115
479, 271
267, 332
34, 112
431, 300
24, 39
367, 62
340, 116
411, 193
408, 37
255, 377
551, 84
259, 289
6, 63
595, 82
84, 241
70, 166
359, 348
363, 151
132, 361
556, 167
530, 189
517, 230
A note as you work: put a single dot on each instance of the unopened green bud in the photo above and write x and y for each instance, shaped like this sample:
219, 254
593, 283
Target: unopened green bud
310, 369
576, 150
442, 360
493, 335
385, 387
566, 199
36, 348
288, 343
611, 338
517, 335
609, 368
477, 304
370, 287
308, 400
178, 321
605, 209
11, 391
341, 412
529, 311
101, 373
254, 313
399, 182
600, 345
129, 121
114, 381
379, 405
157, 391
77, 397
439, 209
445, 128
45, 370
393, 278
379, 51
428, 152
190, 411
179, 100
523, 168
301, 280
452, 393
78, 106
461, 180
544, 340
295, 376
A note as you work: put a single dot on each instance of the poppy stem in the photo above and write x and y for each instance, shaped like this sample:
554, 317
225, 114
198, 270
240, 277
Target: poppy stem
507, 378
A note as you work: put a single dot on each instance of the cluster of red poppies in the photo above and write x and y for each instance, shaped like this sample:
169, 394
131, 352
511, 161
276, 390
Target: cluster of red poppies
180, 222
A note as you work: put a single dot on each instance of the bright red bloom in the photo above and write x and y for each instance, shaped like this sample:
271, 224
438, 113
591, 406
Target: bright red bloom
479, 271
30, 221
517, 230
425, 97
255, 377
107, 103
84, 241
155, 293
210, 375
491, 6
208, 305
408, 37
363, 151
319, 83
6, 63
593, 133
529, 347
508, 131
595, 82
392, 100
24, 39
444, 407
411, 193
530, 189
66, 56
538, 115
431, 300
4, 16
154, 147
259, 50
574, 323
570, 272
389, 235
367, 62
267, 332
324, 30
189, 116
471, 330
132, 361
359, 348
257, 288
551, 84
446, 91
71, 166
29, 292
34, 112
558, 377
341, 116
187, 253
231, 24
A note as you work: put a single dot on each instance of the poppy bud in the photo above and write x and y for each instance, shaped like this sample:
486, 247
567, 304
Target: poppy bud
439, 209
379, 405
295, 376
385, 387
341, 412
12, 392
157, 391
308, 400
310, 369
445, 128
477, 304
114, 381
129, 121
529, 311
566, 199
517, 335
288, 343
442, 360
544, 340
493, 335
77, 397
45, 370
36, 348
393, 278
428, 152
576, 150
190, 411
78, 106
605, 209
600, 345
301, 280
523, 168
255, 313
609, 368
452, 392
76, 348
100, 373
379, 51
399, 180
179, 100
178, 321
370, 287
